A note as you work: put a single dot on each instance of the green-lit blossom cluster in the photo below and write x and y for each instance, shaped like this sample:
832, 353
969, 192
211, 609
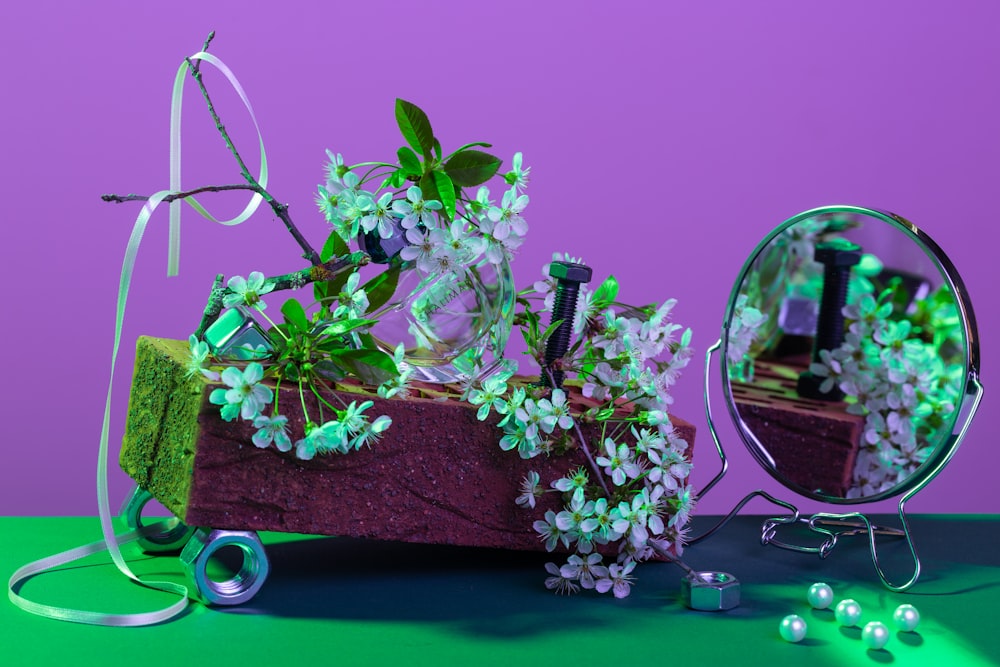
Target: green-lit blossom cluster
416, 210
310, 353
419, 218
898, 367
634, 495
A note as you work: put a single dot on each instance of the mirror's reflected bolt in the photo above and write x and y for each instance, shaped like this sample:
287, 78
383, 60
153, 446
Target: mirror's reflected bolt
837, 257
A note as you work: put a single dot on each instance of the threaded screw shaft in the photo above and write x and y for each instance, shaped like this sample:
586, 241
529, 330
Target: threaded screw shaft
569, 276
837, 257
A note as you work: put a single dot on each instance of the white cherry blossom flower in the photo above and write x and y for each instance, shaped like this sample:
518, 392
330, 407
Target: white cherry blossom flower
245, 397
415, 210
247, 291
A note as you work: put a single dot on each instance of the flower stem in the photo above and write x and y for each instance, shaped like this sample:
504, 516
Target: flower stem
598, 473
320, 397
302, 400
332, 392
273, 325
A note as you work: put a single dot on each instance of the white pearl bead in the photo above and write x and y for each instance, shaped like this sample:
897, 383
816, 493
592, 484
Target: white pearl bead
820, 596
848, 613
906, 617
875, 635
792, 628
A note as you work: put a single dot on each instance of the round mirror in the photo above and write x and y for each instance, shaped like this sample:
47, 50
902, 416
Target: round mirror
849, 349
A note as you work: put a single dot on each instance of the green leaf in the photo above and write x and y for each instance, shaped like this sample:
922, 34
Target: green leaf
482, 144
333, 344
372, 367
551, 329
415, 126
290, 371
278, 340
329, 370
321, 292
589, 362
397, 178
343, 326
295, 315
438, 185
409, 161
334, 247
381, 288
437, 148
605, 414
605, 294
428, 188
367, 340
470, 167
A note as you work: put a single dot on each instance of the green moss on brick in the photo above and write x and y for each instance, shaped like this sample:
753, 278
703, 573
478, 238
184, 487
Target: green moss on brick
161, 430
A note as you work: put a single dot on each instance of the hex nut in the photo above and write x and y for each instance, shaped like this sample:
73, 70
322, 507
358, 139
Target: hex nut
171, 540
243, 585
577, 273
710, 591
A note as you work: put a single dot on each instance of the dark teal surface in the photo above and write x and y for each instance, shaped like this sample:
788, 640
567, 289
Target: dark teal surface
342, 601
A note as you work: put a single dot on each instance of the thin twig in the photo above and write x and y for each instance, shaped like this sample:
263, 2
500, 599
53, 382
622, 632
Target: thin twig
667, 556
281, 210
319, 273
197, 66
196, 74
583, 445
590, 459
118, 199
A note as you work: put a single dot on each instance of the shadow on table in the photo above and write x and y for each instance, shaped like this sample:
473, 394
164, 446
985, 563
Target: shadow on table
502, 594
484, 591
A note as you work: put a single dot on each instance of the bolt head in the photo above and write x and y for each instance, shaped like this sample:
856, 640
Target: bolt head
837, 253
577, 273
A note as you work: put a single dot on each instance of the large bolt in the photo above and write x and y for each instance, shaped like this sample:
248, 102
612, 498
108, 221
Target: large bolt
837, 257
569, 277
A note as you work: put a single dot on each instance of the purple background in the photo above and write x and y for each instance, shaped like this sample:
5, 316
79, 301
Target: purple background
665, 140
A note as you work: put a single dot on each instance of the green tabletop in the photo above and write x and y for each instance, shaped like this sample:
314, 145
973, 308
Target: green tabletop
341, 601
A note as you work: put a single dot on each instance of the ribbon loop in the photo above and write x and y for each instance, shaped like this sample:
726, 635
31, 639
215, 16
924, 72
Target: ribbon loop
110, 541
176, 104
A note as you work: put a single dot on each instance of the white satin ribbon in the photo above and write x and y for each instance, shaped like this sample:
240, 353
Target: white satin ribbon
111, 542
24, 573
176, 103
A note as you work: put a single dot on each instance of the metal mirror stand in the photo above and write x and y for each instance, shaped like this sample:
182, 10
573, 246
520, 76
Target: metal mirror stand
830, 527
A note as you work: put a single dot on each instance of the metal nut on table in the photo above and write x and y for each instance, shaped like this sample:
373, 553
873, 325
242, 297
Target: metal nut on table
710, 591
243, 585
171, 539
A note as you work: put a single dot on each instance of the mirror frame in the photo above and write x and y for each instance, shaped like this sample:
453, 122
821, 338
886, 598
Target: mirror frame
971, 392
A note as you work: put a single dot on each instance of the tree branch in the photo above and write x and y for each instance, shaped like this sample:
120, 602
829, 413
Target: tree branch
317, 273
196, 66
118, 199
281, 210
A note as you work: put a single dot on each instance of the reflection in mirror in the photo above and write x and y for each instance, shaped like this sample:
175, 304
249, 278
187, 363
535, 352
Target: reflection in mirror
846, 354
